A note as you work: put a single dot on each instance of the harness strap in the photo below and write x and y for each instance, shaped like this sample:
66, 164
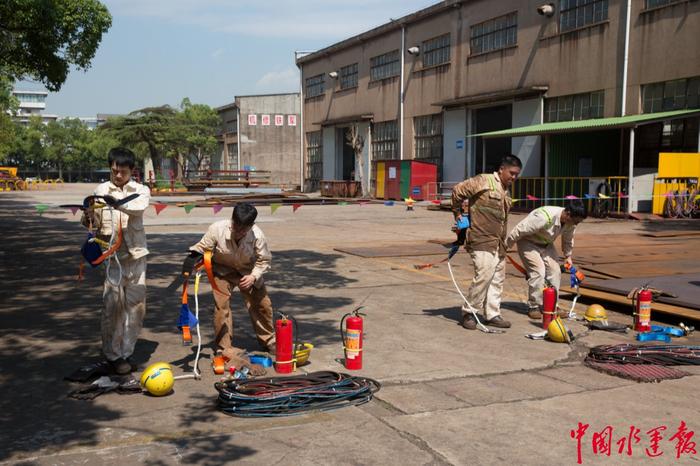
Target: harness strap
210, 270
112, 250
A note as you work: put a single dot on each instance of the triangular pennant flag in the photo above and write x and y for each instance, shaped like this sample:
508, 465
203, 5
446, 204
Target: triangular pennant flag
363, 203
603, 196
40, 208
516, 200
436, 201
74, 210
589, 196
274, 207
530, 197
388, 203
342, 203
188, 208
159, 207
571, 196
217, 208
668, 195
323, 201
295, 207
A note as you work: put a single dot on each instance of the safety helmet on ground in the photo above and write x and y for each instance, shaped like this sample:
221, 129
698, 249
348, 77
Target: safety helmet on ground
557, 331
595, 312
158, 379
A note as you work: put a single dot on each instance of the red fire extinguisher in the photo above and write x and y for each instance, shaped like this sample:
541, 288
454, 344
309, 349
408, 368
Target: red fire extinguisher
352, 339
642, 309
284, 344
549, 304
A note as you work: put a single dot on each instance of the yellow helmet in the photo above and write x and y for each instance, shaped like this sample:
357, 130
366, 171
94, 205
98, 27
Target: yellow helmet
595, 312
556, 331
158, 379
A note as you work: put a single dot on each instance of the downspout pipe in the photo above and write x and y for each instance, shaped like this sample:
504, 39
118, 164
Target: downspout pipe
402, 91
238, 135
625, 62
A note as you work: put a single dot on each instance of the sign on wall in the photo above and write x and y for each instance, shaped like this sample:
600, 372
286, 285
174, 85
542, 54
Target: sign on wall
252, 120
291, 120
265, 120
279, 120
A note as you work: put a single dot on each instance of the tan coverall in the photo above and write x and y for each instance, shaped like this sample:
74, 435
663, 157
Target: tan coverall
535, 236
125, 302
489, 205
231, 261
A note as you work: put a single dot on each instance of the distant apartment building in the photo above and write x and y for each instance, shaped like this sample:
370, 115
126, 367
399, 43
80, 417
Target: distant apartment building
32, 103
262, 132
425, 85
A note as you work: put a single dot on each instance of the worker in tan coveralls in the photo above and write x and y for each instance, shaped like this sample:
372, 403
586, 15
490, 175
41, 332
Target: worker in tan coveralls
124, 296
535, 236
489, 204
240, 258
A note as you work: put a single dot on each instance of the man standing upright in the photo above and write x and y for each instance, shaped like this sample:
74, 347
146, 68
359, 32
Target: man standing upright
489, 204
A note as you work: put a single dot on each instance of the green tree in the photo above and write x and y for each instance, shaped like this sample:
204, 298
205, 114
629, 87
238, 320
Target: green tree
42, 39
28, 151
193, 136
65, 143
8, 103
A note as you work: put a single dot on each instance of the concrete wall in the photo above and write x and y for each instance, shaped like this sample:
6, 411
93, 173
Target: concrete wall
454, 147
663, 44
271, 147
528, 149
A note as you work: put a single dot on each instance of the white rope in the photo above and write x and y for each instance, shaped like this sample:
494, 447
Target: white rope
480, 326
195, 372
116, 253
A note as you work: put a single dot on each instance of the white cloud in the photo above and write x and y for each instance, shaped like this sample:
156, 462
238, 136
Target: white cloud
283, 80
301, 19
217, 53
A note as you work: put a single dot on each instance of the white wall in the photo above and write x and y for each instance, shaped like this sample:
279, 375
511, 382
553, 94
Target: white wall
526, 113
454, 163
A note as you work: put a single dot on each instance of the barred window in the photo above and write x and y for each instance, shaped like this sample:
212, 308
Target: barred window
232, 156
427, 131
385, 140
578, 13
494, 34
384, 66
574, 107
671, 95
315, 85
348, 76
436, 51
314, 160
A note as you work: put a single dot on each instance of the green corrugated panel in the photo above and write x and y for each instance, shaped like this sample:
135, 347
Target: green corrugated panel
588, 125
602, 147
405, 178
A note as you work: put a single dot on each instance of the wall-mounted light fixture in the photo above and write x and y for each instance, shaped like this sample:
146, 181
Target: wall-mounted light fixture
415, 50
546, 10
333, 74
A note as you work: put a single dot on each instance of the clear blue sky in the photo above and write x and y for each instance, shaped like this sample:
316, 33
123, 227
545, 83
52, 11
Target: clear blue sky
160, 51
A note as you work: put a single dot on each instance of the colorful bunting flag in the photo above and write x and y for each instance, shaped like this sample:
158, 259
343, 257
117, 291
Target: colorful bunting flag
295, 207
571, 196
530, 197
589, 196
362, 203
436, 201
74, 210
274, 207
159, 207
603, 196
342, 203
388, 203
188, 208
217, 208
40, 208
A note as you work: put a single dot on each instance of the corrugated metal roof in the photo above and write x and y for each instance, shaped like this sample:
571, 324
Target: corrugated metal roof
589, 125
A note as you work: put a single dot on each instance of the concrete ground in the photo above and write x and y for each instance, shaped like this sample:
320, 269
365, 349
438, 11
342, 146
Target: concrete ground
448, 396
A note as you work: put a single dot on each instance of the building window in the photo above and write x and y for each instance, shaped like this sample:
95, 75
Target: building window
384, 66
348, 76
436, 51
385, 140
578, 13
574, 107
315, 85
494, 34
314, 160
671, 95
232, 156
427, 132
655, 3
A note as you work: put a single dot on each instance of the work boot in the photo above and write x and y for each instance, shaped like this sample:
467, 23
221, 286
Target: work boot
121, 366
534, 314
498, 322
468, 321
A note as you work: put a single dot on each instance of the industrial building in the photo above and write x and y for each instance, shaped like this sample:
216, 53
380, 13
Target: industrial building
425, 85
262, 133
